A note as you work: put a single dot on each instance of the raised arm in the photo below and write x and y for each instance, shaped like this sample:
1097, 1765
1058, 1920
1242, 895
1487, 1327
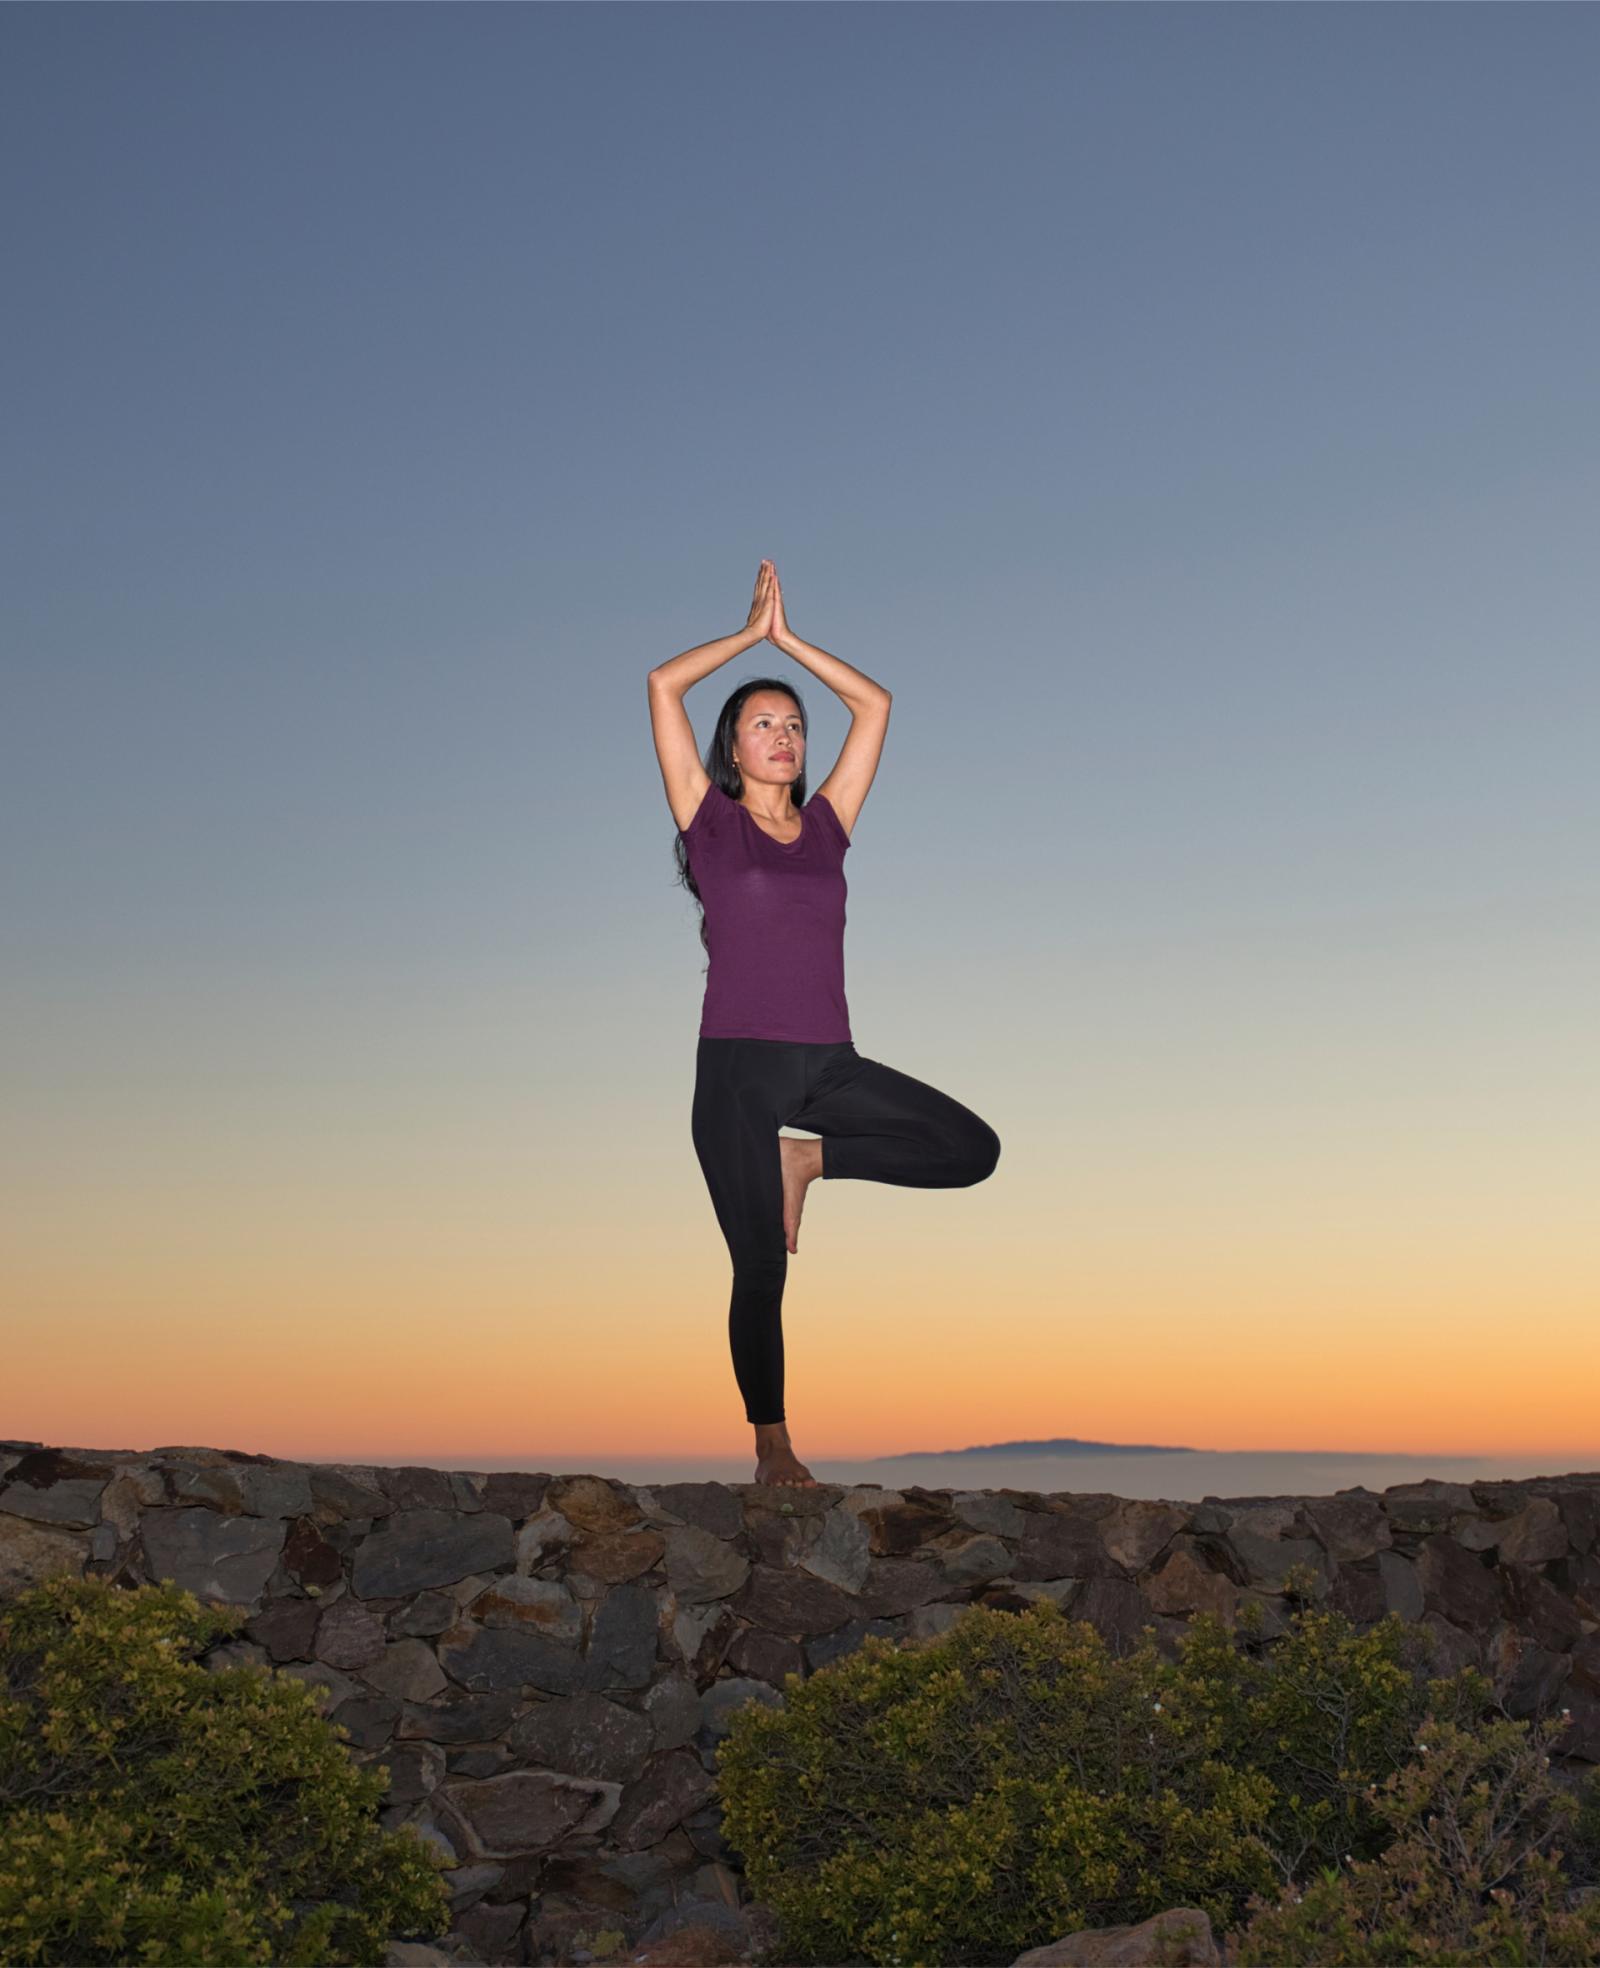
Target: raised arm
676, 751
847, 785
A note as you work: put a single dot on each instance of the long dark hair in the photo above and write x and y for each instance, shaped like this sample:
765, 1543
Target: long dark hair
722, 772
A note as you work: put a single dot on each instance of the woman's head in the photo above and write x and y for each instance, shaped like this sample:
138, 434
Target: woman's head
764, 728
761, 719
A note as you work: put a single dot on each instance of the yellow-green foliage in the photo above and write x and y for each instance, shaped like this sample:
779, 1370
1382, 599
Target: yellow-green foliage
1472, 1873
1012, 1780
152, 1810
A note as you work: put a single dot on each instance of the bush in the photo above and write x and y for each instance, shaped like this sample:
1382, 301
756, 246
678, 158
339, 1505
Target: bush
158, 1811
1012, 1781
1471, 1874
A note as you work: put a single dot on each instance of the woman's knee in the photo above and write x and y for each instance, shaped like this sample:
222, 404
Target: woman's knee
982, 1151
761, 1274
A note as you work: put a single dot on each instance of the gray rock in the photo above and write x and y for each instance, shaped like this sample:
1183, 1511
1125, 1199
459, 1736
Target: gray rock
544, 1538
368, 1720
674, 1785
222, 1560
522, 1811
622, 1644
986, 1511
347, 1490
418, 1548
75, 1503
483, 1660
839, 1551
974, 1561
672, 1704
1402, 1589
586, 1735
1349, 1527
1267, 1560
428, 1614
711, 1507
349, 1635
407, 1669
846, 1639
899, 1585
286, 1627
928, 1622
317, 1675
722, 1700
701, 1565
459, 1718
1427, 1506
277, 1489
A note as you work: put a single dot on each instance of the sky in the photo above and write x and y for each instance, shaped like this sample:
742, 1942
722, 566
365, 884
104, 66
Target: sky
1190, 413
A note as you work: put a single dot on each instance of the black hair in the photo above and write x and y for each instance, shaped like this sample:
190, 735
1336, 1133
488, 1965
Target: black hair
722, 772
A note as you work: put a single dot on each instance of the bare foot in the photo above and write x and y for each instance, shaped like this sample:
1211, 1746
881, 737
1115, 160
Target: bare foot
802, 1164
776, 1461
782, 1468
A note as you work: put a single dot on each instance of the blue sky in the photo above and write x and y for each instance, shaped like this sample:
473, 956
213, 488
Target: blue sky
1190, 412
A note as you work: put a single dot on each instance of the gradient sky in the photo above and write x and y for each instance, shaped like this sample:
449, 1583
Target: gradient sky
1191, 413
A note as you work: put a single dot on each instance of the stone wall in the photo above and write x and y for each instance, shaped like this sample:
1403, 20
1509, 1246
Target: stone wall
546, 1663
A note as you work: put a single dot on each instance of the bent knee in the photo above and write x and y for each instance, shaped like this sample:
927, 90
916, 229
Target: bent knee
983, 1153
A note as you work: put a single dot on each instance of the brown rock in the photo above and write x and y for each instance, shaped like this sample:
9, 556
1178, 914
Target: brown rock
1184, 1585
1138, 1531
796, 1603
592, 1504
1535, 1535
1064, 1541
1180, 1937
1458, 1585
32, 1553
616, 1555
896, 1530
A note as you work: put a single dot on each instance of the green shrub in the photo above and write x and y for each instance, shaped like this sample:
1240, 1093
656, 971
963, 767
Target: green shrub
1471, 1874
1325, 1712
1011, 1781
158, 1811
1583, 1861
985, 1793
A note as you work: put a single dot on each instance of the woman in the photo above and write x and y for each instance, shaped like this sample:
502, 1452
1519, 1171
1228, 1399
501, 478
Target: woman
766, 865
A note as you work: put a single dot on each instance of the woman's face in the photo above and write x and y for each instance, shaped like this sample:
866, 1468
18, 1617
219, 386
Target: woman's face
769, 725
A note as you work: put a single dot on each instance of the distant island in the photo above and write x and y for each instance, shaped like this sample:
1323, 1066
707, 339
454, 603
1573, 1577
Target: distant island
1054, 1445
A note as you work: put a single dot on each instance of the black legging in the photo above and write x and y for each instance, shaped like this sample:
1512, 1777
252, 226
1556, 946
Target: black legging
877, 1125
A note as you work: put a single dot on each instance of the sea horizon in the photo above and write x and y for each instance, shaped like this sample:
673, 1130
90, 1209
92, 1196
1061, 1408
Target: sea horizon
1171, 1475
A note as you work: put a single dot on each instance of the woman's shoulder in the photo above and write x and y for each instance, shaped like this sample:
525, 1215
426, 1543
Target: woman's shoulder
713, 803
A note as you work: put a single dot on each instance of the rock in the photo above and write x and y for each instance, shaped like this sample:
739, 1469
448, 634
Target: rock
694, 1934
220, 1559
416, 1549
1180, 1937
32, 1553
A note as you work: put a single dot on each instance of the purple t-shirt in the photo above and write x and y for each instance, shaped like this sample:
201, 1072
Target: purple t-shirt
774, 921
